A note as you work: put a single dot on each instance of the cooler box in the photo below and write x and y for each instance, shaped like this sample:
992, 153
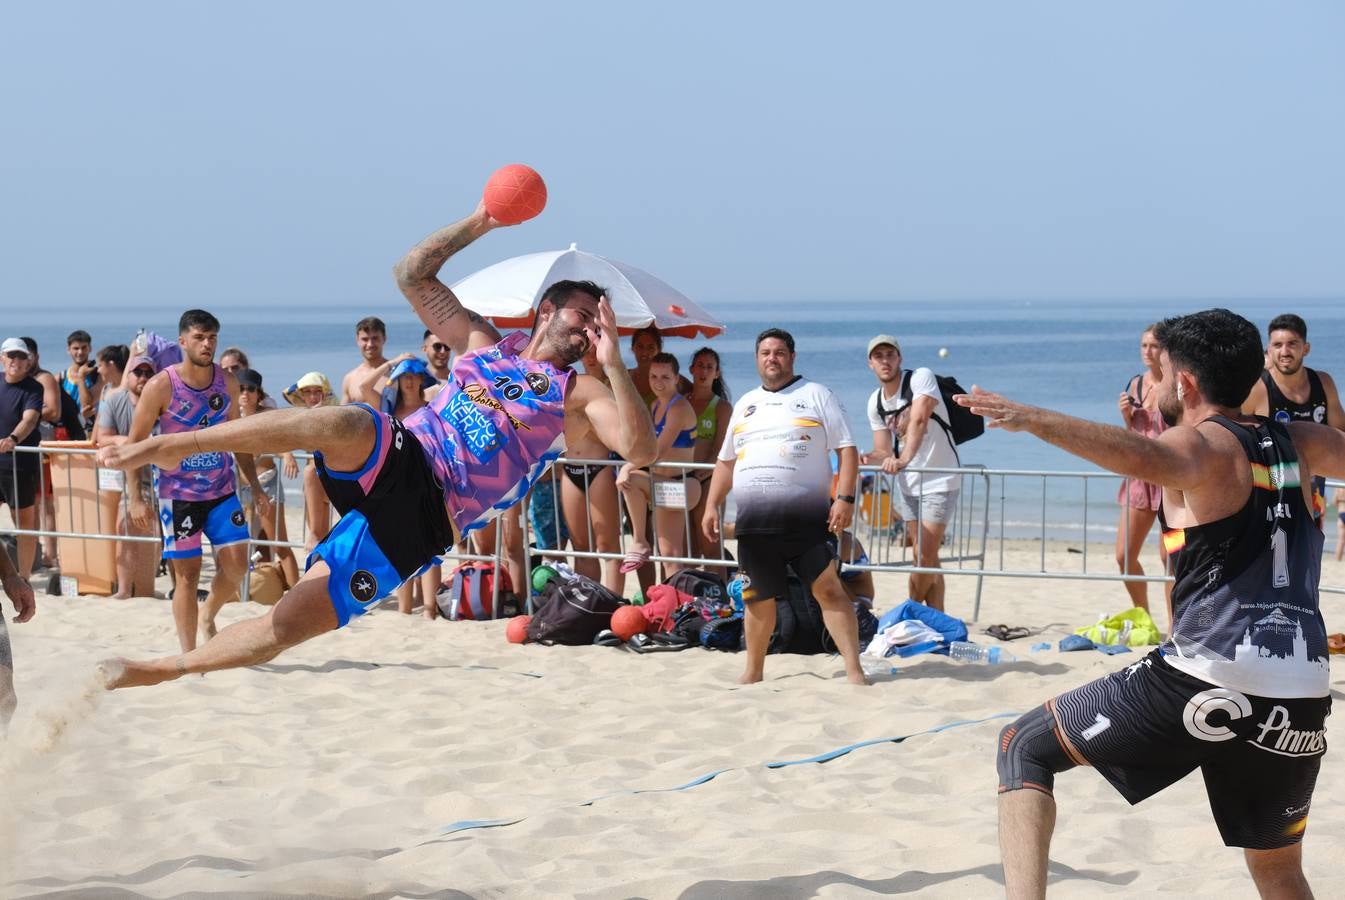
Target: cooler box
87, 566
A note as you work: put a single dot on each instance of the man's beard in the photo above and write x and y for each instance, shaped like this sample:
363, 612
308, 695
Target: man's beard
1171, 409
1290, 368
561, 339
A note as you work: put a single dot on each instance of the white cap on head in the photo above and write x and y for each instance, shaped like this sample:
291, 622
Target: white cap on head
880, 340
14, 345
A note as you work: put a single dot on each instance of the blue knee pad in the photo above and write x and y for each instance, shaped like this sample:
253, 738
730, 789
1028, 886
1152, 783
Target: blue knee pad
1029, 753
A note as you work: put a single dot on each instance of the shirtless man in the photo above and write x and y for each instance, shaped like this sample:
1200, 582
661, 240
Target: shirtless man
196, 487
407, 491
1241, 687
370, 336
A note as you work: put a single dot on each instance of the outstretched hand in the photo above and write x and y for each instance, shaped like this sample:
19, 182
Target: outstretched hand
999, 411
602, 335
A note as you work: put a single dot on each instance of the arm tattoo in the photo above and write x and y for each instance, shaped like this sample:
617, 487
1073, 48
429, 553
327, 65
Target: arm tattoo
428, 257
440, 304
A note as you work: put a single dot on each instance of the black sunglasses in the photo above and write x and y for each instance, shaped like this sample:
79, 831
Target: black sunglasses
143, 372
15, 354
440, 348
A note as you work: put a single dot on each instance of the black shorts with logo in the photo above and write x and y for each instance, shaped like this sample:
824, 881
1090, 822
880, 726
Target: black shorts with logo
763, 558
1149, 725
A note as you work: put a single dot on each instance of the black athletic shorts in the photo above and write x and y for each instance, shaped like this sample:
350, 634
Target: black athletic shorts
393, 519
1148, 725
19, 491
763, 558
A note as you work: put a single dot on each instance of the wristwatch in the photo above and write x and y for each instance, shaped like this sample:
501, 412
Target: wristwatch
848, 498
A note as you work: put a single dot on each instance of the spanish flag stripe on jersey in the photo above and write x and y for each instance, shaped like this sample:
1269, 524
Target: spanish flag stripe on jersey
1272, 478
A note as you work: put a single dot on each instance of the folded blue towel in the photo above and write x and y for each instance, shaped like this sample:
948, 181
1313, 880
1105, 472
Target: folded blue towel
1076, 642
1111, 649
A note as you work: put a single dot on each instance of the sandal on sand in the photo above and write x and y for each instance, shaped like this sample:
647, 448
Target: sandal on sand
1008, 632
608, 638
658, 643
1335, 643
633, 560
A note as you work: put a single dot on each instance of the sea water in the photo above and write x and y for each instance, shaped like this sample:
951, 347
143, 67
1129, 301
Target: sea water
1072, 356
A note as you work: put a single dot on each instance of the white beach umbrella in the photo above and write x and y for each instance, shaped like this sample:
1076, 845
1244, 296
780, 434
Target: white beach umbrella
507, 292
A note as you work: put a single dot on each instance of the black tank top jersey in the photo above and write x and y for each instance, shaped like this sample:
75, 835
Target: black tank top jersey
1282, 409
1245, 602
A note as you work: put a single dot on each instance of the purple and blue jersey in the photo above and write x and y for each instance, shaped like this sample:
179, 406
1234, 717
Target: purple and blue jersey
201, 476
493, 429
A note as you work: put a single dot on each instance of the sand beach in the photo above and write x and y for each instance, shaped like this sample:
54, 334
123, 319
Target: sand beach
368, 763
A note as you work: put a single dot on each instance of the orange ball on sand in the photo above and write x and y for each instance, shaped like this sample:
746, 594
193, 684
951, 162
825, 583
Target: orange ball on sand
629, 621
514, 193
517, 630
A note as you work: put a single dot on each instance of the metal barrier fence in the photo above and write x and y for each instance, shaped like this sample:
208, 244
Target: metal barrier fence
982, 513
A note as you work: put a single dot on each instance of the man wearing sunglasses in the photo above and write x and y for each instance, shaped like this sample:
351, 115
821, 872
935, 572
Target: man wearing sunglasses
437, 355
136, 563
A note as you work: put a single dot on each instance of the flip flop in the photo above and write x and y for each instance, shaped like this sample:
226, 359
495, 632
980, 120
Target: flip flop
658, 643
608, 638
633, 560
1008, 632
1335, 643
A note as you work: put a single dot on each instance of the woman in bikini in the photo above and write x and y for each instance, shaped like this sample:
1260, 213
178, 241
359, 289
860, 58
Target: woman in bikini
675, 425
711, 402
1139, 500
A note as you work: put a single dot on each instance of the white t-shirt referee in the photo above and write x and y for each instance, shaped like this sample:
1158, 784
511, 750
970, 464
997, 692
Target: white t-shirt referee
782, 441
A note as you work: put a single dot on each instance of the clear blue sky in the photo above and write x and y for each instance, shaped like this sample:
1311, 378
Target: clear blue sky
206, 153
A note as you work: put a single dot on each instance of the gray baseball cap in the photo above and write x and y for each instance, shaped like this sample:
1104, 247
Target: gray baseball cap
880, 340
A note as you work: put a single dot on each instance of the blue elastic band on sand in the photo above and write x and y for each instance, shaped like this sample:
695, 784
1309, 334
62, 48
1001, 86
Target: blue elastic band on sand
470, 824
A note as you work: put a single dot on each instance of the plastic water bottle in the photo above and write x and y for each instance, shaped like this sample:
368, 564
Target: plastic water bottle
735, 589
966, 651
875, 665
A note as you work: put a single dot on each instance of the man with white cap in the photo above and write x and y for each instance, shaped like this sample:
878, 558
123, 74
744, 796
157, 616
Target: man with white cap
20, 409
910, 430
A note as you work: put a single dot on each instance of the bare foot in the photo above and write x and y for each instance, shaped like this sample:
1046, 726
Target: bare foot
121, 673
858, 678
750, 677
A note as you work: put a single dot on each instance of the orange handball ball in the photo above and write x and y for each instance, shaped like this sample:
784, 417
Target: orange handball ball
514, 193
629, 621
517, 630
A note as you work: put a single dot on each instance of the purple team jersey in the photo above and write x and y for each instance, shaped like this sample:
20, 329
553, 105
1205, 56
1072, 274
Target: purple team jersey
493, 429
201, 476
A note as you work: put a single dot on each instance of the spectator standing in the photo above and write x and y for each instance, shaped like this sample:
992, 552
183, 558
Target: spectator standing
913, 433
775, 459
137, 563
1140, 499
20, 410
370, 336
80, 380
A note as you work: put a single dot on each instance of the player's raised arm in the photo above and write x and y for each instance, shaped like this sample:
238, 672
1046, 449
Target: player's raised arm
514, 194
417, 275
